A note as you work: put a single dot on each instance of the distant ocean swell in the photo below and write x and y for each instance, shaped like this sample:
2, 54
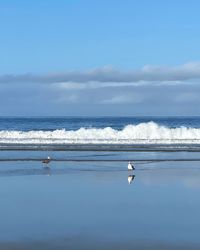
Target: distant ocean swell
143, 133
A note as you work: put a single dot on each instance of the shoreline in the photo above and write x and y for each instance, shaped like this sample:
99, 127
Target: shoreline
101, 147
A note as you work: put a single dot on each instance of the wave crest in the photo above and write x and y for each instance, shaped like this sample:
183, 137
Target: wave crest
149, 132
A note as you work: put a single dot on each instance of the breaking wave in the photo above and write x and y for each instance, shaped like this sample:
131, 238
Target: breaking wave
143, 133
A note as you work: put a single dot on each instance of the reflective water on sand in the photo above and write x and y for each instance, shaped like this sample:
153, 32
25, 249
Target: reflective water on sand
100, 203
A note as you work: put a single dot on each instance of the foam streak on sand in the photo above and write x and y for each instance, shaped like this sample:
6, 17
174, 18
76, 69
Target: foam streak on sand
143, 133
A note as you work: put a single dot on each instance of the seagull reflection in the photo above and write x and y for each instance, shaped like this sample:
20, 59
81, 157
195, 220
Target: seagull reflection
131, 178
47, 170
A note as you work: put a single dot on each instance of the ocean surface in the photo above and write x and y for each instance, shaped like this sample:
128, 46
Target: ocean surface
85, 198
109, 132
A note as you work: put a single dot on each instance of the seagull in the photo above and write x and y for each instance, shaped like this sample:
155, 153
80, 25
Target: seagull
130, 166
130, 178
46, 161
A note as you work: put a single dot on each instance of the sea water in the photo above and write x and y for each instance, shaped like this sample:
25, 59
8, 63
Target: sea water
105, 131
85, 198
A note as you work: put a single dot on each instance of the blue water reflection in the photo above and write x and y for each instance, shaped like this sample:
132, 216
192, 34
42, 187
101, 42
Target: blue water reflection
95, 201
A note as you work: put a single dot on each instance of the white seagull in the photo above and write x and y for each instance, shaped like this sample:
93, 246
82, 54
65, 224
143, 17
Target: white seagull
130, 166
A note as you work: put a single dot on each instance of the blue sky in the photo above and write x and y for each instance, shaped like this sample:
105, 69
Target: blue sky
99, 57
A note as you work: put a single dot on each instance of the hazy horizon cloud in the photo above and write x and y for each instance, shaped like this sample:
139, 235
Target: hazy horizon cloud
111, 75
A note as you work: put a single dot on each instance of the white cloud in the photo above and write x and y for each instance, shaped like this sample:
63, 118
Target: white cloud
185, 72
93, 85
120, 99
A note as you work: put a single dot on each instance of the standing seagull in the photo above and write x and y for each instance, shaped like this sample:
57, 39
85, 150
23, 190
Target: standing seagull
46, 161
130, 166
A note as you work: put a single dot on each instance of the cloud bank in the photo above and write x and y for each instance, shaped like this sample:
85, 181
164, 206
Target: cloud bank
185, 72
152, 90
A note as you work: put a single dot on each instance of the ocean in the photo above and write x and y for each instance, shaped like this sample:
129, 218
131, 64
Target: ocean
86, 198
65, 131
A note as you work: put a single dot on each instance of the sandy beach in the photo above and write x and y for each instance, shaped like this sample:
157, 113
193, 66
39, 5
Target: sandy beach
91, 205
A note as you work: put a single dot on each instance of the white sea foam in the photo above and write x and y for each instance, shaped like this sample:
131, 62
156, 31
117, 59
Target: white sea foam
143, 133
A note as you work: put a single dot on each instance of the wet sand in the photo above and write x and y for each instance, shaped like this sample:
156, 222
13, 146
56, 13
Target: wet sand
79, 244
91, 205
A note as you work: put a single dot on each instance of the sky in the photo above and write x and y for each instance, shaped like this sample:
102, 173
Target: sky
99, 58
